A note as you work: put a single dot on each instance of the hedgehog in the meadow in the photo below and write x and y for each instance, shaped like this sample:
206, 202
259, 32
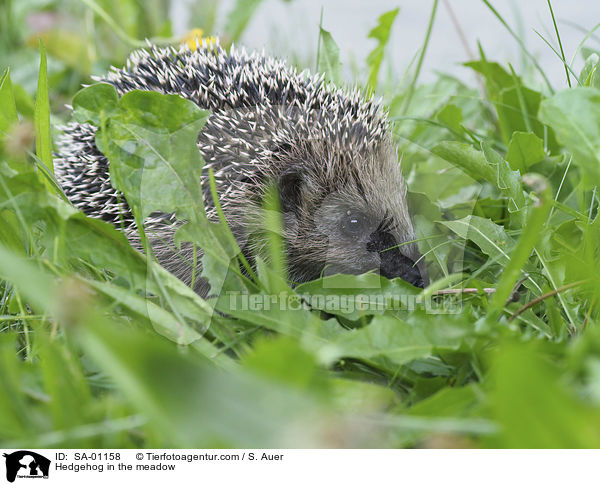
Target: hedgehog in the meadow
328, 152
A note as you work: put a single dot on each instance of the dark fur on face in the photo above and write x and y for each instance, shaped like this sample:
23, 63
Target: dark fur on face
343, 211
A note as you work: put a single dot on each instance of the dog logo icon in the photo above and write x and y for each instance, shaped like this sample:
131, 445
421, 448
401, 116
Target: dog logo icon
26, 464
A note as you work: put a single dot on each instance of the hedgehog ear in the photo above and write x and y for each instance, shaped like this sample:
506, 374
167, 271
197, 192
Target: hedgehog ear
290, 185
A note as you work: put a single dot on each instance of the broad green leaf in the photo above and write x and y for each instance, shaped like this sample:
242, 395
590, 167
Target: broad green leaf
517, 108
95, 103
150, 140
451, 115
467, 158
153, 137
355, 396
524, 150
509, 183
283, 360
450, 401
496, 77
516, 104
329, 58
381, 33
285, 313
355, 296
574, 115
491, 238
529, 392
392, 341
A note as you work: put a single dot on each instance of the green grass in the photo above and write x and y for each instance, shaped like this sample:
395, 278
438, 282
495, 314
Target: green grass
101, 347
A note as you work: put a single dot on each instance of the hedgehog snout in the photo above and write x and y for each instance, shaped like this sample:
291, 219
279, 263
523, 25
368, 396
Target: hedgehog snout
394, 264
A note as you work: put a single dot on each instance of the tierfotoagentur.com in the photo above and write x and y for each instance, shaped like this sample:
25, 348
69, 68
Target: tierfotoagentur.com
340, 303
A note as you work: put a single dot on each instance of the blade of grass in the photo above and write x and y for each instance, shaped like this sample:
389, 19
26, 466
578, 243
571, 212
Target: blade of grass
583, 41
562, 52
567, 67
43, 140
223, 220
521, 44
318, 60
413, 83
532, 230
119, 32
522, 104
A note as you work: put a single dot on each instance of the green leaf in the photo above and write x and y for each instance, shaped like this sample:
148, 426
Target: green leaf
451, 115
24, 102
151, 143
524, 150
381, 33
509, 183
574, 115
533, 406
515, 103
283, 360
590, 75
95, 103
164, 322
15, 421
519, 256
392, 341
491, 238
467, 158
188, 402
354, 296
64, 382
495, 76
29, 278
43, 138
8, 108
102, 246
517, 107
329, 58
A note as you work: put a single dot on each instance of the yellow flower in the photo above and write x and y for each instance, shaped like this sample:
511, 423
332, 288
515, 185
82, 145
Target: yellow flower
194, 38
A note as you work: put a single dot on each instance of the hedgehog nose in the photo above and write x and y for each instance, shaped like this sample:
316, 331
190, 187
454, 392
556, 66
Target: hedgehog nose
414, 277
394, 264
401, 267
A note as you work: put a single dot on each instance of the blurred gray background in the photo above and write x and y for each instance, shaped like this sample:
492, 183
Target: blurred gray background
292, 29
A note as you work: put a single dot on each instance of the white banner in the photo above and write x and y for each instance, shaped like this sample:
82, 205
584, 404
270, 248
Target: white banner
312, 467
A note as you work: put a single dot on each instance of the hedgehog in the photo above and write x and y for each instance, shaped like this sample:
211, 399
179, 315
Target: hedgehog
328, 152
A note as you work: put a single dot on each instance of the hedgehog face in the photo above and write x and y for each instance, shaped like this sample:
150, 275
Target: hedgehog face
354, 224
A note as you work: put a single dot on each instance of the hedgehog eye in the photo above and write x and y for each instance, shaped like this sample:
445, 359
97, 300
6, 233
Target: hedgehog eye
353, 223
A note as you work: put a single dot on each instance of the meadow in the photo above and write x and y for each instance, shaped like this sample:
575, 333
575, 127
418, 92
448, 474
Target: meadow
100, 347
